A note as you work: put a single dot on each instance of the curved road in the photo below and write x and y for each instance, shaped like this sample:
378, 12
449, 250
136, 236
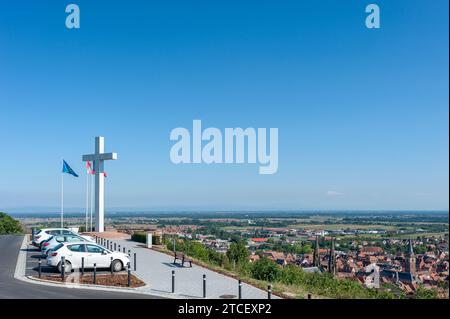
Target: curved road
13, 288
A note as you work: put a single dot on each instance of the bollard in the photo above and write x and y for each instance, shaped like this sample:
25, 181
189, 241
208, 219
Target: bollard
124, 250
40, 270
115, 247
63, 266
82, 266
134, 264
309, 296
118, 249
129, 274
129, 253
240, 289
173, 281
204, 286
111, 266
269, 292
95, 273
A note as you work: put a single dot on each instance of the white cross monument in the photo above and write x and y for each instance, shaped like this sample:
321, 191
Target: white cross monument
98, 159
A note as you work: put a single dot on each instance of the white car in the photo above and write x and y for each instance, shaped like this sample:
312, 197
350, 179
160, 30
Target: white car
46, 233
48, 245
92, 253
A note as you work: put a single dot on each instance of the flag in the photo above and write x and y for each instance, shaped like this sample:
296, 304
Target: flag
67, 169
89, 168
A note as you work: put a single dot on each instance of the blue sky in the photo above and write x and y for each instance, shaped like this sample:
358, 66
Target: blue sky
362, 114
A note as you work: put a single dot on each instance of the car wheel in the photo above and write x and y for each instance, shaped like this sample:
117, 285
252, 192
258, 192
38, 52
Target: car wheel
117, 265
67, 267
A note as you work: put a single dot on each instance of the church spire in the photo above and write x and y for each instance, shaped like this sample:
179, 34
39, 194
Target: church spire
332, 258
411, 250
316, 255
410, 262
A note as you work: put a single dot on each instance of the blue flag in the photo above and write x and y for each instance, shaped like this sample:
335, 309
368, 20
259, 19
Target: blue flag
67, 169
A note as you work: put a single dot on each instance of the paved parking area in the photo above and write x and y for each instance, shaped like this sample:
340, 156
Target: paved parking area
12, 288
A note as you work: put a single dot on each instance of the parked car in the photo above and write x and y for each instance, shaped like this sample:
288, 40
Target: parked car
48, 245
92, 253
46, 233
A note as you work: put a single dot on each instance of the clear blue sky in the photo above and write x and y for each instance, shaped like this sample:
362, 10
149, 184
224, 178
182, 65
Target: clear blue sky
362, 114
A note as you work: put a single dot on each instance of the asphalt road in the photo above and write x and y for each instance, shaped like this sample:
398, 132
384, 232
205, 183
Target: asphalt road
12, 288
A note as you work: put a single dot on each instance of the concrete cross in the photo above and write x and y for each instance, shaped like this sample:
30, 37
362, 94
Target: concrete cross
98, 159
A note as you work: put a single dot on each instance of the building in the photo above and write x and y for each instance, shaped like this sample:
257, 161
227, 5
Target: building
410, 260
316, 256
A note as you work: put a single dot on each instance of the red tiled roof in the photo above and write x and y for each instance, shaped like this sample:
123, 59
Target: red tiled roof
259, 240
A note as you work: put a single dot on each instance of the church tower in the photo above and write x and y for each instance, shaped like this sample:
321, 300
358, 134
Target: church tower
410, 259
316, 255
332, 259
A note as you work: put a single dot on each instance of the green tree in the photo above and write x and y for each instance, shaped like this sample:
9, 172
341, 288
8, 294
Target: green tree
237, 252
265, 269
9, 225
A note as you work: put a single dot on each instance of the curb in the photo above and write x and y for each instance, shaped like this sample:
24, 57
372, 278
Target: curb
74, 285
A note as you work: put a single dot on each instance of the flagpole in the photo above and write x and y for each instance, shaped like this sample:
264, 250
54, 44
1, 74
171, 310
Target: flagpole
62, 200
87, 199
92, 196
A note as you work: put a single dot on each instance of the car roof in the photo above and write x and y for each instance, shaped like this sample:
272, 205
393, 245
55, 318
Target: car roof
72, 234
68, 235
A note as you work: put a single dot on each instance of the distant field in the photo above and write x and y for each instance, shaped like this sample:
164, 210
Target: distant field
342, 226
438, 234
318, 226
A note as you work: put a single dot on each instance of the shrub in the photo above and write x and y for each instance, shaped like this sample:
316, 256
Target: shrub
196, 250
424, 293
265, 269
9, 225
140, 237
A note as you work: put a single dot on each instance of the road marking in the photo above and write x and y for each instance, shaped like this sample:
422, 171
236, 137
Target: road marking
21, 260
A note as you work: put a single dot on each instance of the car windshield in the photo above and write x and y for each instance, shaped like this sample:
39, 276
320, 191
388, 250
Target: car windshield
57, 247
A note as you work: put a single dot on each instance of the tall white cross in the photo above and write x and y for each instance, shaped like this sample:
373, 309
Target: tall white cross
98, 158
